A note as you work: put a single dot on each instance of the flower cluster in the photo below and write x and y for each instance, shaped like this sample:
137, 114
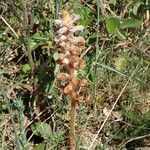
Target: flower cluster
71, 47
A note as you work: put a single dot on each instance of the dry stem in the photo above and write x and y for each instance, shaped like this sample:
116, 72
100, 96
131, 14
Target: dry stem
72, 125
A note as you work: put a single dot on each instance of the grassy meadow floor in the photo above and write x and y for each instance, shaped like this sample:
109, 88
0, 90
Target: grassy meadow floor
115, 111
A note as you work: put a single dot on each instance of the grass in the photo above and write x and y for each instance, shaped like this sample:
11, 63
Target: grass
115, 111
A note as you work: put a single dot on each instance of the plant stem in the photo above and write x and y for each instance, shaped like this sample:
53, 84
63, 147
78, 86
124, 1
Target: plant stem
27, 35
96, 55
29, 54
57, 8
72, 124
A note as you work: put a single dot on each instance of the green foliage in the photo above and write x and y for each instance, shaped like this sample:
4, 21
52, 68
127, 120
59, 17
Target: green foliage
42, 129
136, 7
115, 26
24, 144
45, 131
117, 49
40, 147
112, 25
138, 125
130, 23
26, 68
121, 63
85, 15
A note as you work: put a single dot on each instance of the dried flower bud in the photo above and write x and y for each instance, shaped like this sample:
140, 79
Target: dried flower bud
82, 63
62, 30
77, 40
65, 61
63, 76
60, 38
75, 50
62, 56
68, 89
83, 82
62, 44
76, 96
75, 82
76, 28
58, 23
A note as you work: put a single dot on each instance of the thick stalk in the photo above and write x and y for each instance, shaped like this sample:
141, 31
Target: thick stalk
72, 124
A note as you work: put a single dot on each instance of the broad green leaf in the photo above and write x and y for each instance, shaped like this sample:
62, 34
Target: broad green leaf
34, 44
26, 68
37, 39
112, 24
130, 23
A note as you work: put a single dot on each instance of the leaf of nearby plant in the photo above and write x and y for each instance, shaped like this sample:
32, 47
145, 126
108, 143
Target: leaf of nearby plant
34, 44
40, 147
26, 68
120, 34
37, 39
112, 2
56, 56
112, 24
42, 129
136, 7
130, 23
40, 36
121, 73
121, 63
84, 13
84, 22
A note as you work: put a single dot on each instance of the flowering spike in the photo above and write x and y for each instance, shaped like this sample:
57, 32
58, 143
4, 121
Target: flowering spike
70, 49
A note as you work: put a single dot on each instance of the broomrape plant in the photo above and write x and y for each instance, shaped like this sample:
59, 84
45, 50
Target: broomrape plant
70, 48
